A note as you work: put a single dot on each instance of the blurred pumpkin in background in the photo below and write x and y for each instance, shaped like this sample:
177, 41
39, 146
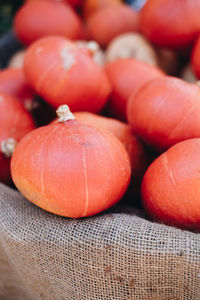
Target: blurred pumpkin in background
37, 19
108, 22
127, 76
91, 6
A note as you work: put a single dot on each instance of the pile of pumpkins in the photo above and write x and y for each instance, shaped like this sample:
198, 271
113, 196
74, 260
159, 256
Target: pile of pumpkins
124, 85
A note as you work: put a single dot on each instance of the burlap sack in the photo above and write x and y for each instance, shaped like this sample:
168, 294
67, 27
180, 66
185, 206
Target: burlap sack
117, 255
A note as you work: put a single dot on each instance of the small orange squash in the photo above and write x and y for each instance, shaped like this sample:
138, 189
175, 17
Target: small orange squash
171, 186
61, 72
165, 111
127, 76
15, 122
111, 21
171, 23
13, 82
91, 6
37, 19
71, 169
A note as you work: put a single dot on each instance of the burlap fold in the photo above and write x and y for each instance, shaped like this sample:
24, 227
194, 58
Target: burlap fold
114, 256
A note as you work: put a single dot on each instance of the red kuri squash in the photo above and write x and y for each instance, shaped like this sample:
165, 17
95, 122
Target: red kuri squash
111, 21
91, 6
37, 19
71, 169
165, 111
15, 122
171, 186
61, 72
127, 76
171, 23
13, 82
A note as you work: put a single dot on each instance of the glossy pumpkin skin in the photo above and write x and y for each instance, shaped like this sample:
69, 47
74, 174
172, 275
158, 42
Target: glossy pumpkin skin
171, 23
92, 6
70, 169
122, 131
64, 73
15, 122
165, 111
195, 58
37, 19
13, 82
171, 186
127, 76
111, 21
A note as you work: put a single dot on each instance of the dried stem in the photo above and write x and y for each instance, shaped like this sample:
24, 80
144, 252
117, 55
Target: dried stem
8, 146
64, 114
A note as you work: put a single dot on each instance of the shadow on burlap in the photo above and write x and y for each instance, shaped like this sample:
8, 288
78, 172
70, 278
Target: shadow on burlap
114, 256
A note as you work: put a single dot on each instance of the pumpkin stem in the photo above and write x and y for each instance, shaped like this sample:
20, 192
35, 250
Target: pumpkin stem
64, 114
8, 146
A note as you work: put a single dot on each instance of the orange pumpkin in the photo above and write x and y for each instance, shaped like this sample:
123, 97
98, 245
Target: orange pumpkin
171, 186
171, 23
15, 122
13, 82
127, 76
91, 6
61, 72
165, 111
71, 169
37, 19
111, 21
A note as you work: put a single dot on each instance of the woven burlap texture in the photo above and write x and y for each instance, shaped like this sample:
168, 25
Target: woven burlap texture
117, 255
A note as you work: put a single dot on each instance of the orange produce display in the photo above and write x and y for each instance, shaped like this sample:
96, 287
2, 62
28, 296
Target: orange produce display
122, 131
13, 82
171, 186
37, 19
71, 169
111, 21
165, 111
91, 6
15, 122
61, 72
171, 23
127, 76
